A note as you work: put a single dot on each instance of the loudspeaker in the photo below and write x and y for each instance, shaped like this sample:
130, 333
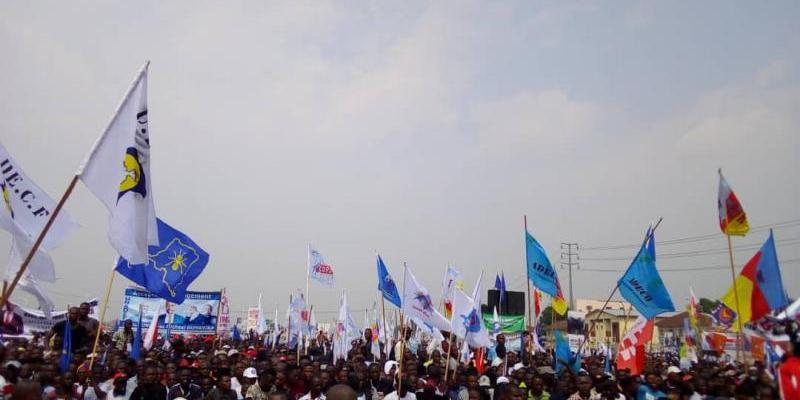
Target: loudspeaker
514, 303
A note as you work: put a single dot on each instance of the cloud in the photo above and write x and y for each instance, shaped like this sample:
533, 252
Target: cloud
533, 120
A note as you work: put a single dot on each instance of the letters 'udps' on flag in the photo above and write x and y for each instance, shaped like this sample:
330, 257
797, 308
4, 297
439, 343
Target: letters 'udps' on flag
732, 218
386, 284
641, 284
417, 303
318, 270
171, 266
27, 206
760, 286
117, 171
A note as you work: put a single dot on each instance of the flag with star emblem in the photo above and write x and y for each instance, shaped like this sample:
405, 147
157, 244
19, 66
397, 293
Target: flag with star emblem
171, 266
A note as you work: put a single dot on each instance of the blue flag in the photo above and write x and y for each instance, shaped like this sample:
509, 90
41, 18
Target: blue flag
500, 285
136, 347
540, 270
564, 355
66, 348
386, 284
235, 335
641, 284
607, 360
172, 266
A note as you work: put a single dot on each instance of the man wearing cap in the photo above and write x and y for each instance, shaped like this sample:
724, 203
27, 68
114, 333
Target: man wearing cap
123, 337
262, 388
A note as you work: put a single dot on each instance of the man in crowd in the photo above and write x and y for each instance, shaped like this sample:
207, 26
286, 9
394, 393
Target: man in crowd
91, 325
79, 336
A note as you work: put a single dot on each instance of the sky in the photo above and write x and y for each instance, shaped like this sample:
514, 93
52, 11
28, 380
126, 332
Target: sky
423, 131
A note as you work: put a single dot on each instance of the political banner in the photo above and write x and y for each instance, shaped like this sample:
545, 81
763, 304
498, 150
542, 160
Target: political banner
575, 341
508, 323
224, 319
196, 315
252, 319
26, 321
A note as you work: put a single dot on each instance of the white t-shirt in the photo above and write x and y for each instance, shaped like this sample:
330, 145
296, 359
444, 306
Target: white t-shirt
394, 396
307, 396
237, 387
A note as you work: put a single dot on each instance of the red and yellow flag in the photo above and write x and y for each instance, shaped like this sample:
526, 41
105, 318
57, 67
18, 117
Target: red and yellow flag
732, 218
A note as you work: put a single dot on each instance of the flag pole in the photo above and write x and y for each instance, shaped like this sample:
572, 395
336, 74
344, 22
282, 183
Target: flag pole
449, 350
102, 317
736, 297
385, 330
402, 355
219, 308
308, 275
39, 239
616, 287
530, 320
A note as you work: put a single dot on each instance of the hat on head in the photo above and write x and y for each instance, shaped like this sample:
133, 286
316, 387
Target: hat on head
233, 352
497, 361
250, 372
673, 370
502, 380
484, 381
387, 368
12, 363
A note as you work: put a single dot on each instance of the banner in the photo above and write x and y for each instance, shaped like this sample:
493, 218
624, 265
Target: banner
224, 320
252, 319
27, 321
575, 341
197, 314
508, 323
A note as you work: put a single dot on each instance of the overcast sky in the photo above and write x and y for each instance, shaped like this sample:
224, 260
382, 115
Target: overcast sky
420, 130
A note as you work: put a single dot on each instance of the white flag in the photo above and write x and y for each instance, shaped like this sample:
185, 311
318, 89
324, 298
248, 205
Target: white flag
480, 338
466, 322
41, 265
30, 285
417, 303
318, 270
29, 207
452, 281
275, 329
117, 171
341, 338
261, 323
150, 336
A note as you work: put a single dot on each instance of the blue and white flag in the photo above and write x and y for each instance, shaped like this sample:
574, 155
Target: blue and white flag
386, 284
66, 347
171, 267
540, 271
641, 284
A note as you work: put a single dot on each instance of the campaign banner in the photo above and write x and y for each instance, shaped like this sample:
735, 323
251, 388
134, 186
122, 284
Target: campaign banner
26, 321
575, 341
224, 320
508, 323
252, 319
196, 315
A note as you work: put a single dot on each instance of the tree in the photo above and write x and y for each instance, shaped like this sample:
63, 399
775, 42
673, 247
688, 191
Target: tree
548, 313
707, 306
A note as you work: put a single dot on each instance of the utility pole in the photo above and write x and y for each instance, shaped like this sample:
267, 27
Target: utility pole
569, 251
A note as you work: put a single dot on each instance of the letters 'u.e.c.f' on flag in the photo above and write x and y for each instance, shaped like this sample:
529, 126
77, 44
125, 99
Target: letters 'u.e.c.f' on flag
386, 284
171, 267
117, 171
732, 218
760, 286
642, 285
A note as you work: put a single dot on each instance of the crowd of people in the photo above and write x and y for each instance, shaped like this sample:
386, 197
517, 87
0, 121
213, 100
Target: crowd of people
210, 368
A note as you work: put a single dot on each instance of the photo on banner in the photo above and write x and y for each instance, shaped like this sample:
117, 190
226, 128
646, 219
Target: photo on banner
196, 315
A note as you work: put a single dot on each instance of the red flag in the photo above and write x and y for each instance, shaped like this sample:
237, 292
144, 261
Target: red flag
789, 378
537, 307
479, 363
631, 352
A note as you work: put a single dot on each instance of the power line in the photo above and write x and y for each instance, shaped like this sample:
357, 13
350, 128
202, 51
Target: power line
698, 238
708, 268
704, 252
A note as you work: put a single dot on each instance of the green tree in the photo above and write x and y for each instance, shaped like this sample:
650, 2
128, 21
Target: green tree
706, 305
548, 313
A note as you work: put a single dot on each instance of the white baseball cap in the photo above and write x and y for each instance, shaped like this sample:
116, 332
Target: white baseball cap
250, 373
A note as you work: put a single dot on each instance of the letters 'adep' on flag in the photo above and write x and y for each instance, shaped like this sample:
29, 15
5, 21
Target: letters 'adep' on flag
417, 303
542, 274
760, 286
171, 266
732, 218
27, 206
318, 269
641, 284
386, 284
117, 171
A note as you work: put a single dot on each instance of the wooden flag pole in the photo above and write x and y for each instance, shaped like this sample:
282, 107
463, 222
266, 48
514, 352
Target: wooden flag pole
736, 297
219, 309
38, 242
385, 330
449, 350
102, 317
402, 356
